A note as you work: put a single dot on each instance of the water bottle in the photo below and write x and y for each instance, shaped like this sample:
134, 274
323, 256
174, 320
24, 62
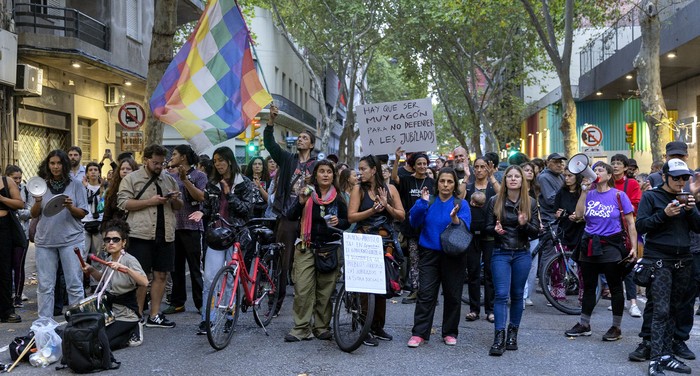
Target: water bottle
38, 360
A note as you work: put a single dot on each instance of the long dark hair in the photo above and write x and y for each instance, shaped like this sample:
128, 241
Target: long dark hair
534, 185
226, 154
344, 180
324, 162
189, 154
373, 162
113, 187
577, 185
451, 171
264, 175
44, 171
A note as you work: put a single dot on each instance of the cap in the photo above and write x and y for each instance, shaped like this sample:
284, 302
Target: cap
631, 162
555, 156
676, 148
676, 167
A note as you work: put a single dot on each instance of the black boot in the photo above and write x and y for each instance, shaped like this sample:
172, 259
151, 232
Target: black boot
512, 338
499, 343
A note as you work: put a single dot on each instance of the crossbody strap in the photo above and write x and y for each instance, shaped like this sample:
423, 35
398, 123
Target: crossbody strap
138, 196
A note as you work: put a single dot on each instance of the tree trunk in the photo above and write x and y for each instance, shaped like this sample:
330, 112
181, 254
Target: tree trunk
162, 42
568, 118
476, 143
649, 83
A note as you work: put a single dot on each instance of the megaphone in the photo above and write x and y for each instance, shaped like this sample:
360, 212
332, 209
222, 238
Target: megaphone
578, 164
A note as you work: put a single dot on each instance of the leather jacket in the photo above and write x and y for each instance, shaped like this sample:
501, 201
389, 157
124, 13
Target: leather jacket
517, 237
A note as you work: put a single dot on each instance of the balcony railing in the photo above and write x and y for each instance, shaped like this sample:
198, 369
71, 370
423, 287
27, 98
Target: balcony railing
64, 22
622, 33
294, 110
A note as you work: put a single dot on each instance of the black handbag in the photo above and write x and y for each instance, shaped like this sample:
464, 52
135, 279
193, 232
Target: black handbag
326, 259
455, 239
643, 272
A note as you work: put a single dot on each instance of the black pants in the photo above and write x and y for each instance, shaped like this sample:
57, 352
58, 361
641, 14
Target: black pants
480, 250
6, 307
435, 269
672, 288
119, 333
613, 274
287, 233
187, 250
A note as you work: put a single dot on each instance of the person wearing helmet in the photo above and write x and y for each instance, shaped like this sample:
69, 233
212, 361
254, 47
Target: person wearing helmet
230, 194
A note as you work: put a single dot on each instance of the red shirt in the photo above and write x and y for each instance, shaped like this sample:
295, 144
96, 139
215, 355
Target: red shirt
633, 191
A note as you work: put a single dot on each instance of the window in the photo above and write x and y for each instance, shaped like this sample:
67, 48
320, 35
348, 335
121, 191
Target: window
296, 95
284, 82
290, 95
84, 136
133, 19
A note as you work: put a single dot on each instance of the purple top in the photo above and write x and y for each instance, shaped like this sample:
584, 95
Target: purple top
199, 179
602, 212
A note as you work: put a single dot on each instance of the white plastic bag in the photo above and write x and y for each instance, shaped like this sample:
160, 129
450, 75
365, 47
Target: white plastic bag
48, 342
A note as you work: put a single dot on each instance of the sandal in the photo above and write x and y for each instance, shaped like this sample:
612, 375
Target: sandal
490, 317
471, 316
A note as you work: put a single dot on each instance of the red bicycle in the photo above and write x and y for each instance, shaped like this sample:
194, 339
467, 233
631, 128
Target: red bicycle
259, 290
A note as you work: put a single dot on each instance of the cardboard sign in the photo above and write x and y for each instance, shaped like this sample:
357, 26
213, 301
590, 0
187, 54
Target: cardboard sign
406, 124
364, 263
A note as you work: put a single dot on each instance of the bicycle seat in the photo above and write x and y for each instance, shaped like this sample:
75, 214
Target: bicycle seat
263, 234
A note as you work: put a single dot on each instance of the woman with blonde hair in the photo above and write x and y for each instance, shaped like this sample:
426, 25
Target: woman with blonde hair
511, 217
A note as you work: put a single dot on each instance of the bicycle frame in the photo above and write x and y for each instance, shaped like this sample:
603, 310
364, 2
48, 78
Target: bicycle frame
242, 272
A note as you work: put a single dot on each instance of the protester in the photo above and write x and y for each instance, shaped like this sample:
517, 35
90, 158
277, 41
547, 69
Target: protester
318, 210
19, 254
112, 211
410, 189
529, 169
126, 276
435, 267
10, 199
511, 218
93, 220
57, 235
602, 248
346, 182
293, 174
257, 173
481, 247
230, 194
374, 206
439, 163
77, 171
271, 167
461, 164
151, 198
188, 234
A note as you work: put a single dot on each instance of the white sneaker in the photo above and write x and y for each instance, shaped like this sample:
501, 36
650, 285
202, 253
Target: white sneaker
609, 308
528, 302
634, 311
136, 338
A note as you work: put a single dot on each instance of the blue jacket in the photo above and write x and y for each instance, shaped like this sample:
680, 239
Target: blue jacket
434, 218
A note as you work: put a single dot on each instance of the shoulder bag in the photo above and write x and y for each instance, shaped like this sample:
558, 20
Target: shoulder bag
455, 239
623, 224
19, 239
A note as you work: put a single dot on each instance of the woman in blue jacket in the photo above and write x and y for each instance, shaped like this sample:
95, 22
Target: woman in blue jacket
434, 267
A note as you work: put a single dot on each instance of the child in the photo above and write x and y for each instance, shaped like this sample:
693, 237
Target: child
478, 211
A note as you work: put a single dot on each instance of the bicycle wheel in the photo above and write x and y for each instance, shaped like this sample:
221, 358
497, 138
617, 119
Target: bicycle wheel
561, 285
266, 296
223, 305
352, 317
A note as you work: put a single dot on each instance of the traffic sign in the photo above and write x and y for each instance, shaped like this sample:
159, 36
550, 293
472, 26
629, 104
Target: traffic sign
591, 136
131, 116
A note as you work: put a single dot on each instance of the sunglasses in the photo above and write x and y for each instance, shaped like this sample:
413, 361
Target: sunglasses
684, 177
115, 239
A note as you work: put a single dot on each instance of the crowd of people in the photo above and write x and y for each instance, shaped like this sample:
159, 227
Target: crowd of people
150, 221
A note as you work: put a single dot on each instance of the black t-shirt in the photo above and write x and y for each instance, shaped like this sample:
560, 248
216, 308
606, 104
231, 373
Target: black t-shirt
404, 173
409, 192
572, 231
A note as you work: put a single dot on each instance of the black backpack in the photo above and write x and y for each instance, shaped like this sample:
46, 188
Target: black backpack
85, 344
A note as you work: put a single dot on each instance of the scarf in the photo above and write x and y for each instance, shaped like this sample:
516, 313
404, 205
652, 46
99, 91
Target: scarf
308, 212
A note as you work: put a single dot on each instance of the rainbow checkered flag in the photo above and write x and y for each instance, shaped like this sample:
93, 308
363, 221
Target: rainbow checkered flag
211, 90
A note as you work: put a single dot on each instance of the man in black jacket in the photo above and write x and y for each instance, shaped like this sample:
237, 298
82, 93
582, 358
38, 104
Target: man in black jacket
293, 173
667, 219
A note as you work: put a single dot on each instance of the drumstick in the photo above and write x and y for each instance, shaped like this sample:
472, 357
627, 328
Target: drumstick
80, 257
26, 349
103, 262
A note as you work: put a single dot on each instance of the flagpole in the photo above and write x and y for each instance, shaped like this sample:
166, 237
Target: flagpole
252, 45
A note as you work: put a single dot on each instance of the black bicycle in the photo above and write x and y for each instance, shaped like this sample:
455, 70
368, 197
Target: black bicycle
560, 275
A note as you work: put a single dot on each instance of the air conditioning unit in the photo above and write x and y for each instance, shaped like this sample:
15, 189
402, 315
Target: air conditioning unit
114, 95
29, 80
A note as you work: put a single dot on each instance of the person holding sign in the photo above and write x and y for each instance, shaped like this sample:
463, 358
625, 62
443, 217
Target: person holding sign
435, 267
410, 189
319, 208
374, 206
512, 218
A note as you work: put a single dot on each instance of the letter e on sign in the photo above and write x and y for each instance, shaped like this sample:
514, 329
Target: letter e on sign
591, 136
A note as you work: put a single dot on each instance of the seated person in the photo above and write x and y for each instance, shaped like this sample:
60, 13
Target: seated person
126, 330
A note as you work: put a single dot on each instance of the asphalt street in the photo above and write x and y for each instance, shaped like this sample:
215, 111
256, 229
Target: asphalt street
544, 350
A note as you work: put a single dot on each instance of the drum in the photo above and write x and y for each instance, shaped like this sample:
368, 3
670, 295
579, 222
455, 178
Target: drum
89, 304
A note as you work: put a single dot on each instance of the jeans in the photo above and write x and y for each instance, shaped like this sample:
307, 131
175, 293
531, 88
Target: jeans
510, 269
530, 283
435, 269
46, 269
215, 260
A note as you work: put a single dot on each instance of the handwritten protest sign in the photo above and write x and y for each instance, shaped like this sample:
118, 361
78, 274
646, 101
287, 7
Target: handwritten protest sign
364, 263
386, 126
